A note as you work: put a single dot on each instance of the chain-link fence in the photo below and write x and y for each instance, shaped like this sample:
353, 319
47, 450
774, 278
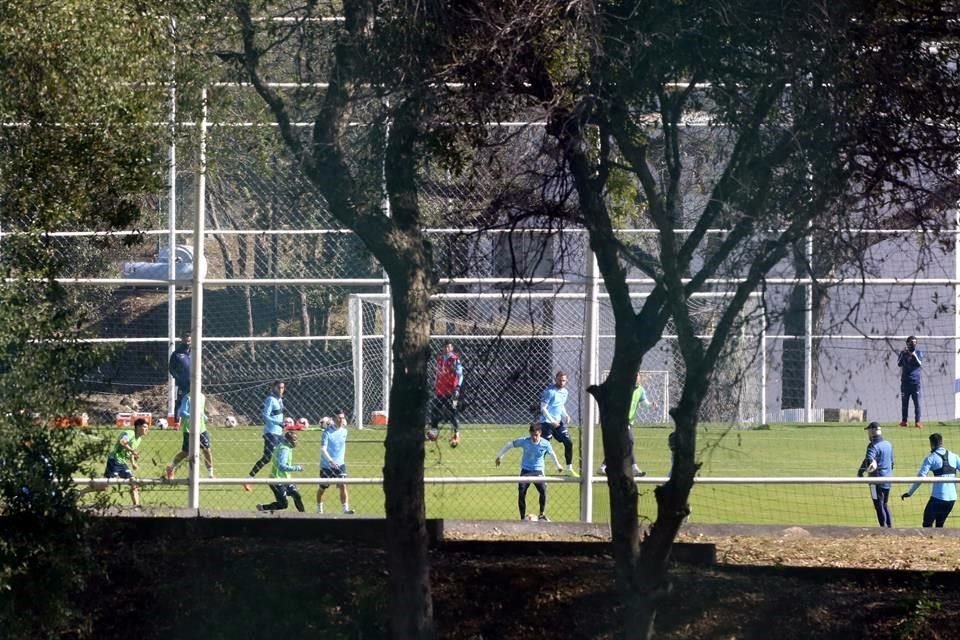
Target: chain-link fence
290, 295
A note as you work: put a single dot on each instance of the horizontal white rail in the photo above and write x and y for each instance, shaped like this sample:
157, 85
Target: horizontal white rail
551, 479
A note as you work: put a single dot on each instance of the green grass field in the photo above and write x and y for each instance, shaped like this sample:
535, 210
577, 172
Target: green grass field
781, 451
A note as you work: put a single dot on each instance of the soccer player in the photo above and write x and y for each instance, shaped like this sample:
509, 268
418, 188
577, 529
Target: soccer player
910, 362
122, 461
554, 418
333, 449
183, 415
272, 427
282, 467
943, 495
639, 398
180, 367
446, 392
535, 449
878, 463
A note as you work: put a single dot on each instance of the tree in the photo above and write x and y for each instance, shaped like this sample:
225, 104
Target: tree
825, 118
377, 72
79, 100
815, 140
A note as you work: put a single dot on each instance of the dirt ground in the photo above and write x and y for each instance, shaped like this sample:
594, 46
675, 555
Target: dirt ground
788, 584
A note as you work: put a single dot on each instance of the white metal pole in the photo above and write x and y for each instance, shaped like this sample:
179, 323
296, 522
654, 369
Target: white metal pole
172, 244
956, 315
591, 370
388, 300
808, 341
356, 303
196, 319
763, 367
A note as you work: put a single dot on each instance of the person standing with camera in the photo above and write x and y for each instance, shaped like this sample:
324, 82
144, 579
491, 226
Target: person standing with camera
910, 362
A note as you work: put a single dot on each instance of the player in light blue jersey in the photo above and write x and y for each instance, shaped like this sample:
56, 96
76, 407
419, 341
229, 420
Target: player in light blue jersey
535, 449
554, 418
272, 427
943, 496
333, 450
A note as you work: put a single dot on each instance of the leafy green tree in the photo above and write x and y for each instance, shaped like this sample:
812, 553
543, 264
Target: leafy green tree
377, 70
822, 119
80, 100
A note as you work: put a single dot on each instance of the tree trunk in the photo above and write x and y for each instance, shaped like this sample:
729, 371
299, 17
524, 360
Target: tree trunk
411, 602
651, 582
305, 313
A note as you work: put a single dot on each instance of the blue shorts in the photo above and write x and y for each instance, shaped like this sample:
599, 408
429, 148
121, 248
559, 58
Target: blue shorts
204, 441
332, 473
117, 469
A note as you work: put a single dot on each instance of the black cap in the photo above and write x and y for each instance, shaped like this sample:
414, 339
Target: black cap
872, 425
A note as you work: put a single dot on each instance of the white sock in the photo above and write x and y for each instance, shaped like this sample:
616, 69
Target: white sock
320, 508
346, 507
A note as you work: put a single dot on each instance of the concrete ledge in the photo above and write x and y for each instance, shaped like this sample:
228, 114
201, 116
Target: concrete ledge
699, 554
276, 526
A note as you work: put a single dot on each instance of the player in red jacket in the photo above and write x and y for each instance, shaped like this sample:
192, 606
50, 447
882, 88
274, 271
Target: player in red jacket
446, 392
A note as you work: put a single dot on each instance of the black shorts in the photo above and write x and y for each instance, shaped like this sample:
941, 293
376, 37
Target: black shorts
332, 473
204, 441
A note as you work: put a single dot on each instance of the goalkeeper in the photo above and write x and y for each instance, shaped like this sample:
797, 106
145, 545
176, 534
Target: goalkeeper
446, 392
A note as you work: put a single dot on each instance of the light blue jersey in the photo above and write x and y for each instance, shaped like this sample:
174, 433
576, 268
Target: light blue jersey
946, 491
533, 453
334, 442
273, 415
553, 404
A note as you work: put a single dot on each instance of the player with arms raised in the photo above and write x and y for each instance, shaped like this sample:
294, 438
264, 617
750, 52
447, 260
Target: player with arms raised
535, 449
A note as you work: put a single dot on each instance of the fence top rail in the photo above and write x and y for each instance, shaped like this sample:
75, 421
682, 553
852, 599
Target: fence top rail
561, 479
431, 231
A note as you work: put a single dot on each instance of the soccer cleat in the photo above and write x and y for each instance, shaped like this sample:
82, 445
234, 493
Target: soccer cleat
259, 507
168, 472
638, 472
455, 439
903, 423
573, 473
918, 425
348, 512
247, 487
603, 470
543, 518
527, 517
